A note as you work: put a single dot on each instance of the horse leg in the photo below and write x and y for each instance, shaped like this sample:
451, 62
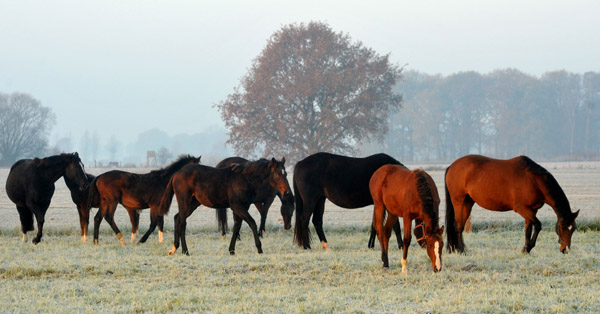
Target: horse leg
398, 232
111, 221
182, 227
39, 216
531, 222
161, 226
461, 215
390, 222
26, 217
237, 224
252, 224
97, 220
153, 222
176, 234
84, 221
134, 217
406, 243
317, 221
263, 218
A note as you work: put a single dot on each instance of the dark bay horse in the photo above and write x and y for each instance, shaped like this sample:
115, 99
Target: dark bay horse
30, 185
342, 180
83, 202
234, 187
135, 192
265, 194
517, 184
411, 195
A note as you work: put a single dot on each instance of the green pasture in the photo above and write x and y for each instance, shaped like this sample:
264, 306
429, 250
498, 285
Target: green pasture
62, 274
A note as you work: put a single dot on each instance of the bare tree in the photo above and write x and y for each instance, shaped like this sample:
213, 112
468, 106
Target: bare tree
24, 127
163, 156
311, 90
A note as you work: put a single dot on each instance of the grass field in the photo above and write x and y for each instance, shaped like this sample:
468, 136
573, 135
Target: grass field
62, 274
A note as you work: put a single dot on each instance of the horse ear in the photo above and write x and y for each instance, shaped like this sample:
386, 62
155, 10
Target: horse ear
75, 154
283, 160
273, 163
576, 213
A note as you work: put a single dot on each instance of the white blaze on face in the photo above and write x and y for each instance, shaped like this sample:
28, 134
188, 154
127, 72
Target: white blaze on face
438, 263
569, 228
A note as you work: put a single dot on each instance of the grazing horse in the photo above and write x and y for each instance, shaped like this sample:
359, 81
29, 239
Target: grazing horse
82, 201
265, 195
517, 184
235, 187
342, 180
411, 195
135, 192
30, 185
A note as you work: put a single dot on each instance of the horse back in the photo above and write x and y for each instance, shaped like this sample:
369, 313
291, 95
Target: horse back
494, 184
395, 187
343, 180
212, 187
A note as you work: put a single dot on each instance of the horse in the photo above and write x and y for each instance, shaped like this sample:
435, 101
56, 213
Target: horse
135, 192
517, 184
342, 180
30, 185
82, 201
234, 186
410, 194
264, 198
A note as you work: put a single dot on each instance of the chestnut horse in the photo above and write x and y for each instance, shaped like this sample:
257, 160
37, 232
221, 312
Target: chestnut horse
264, 198
517, 184
135, 192
342, 180
30, 185
235, 187
83, 202
411, 195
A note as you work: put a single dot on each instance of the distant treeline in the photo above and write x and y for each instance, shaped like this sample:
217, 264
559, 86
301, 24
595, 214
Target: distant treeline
502, 114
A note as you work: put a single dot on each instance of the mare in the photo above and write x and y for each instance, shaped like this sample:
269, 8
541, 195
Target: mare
517, 184
342, 180
410, 194
265, 195
82, 201
135, 192
30, 185
235, 187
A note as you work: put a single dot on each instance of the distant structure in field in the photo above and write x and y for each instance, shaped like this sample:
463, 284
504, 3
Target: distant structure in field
151, 159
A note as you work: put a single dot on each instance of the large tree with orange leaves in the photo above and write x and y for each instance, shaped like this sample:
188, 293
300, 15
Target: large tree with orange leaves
311, 89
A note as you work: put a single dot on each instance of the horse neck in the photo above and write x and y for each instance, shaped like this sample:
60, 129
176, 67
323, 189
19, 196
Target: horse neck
554, 196
54, 167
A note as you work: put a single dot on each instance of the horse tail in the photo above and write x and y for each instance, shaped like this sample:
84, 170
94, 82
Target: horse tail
451, 233
301, 233
93, 195
222, 219
165, 201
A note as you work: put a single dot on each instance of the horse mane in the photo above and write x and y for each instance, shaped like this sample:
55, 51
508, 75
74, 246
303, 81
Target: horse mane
550, 186
174, 166
253, 170
426, 195
52, 161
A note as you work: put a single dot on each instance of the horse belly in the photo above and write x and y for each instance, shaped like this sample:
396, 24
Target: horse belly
492, 202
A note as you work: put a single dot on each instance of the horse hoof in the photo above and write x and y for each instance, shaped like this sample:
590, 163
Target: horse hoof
35, 241
525, 250
231, 252
95, 242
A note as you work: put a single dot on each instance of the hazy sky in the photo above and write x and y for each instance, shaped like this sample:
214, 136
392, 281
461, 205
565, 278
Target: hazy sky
123, 67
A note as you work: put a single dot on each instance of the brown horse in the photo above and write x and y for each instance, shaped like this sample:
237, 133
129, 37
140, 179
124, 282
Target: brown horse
410, 194
234, 186
517, 184
135, 192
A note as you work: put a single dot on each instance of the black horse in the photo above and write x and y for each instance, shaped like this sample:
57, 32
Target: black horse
30, 185
83, 202
342, 180
265, 195
135, 192
234, 187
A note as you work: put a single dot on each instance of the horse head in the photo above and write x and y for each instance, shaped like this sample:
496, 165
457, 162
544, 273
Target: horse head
565, 229
434, 244
75, 171
278, 180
